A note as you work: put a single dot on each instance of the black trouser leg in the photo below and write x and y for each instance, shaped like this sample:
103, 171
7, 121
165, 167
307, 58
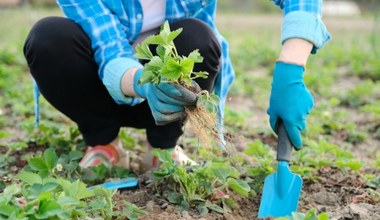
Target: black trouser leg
61, 61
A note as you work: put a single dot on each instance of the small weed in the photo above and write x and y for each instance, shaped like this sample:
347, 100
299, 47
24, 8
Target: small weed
309, 215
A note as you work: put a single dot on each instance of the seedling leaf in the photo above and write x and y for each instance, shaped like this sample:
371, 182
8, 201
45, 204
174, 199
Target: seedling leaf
201, 74
221, 171
239, 186
48, 209
29, 178
172, 70
195, 56
187, 66
173, 35
146, 77
143, 52
50, 158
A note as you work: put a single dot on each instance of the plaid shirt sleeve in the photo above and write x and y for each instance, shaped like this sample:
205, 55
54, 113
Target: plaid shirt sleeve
303, 20
311, 6
112, 51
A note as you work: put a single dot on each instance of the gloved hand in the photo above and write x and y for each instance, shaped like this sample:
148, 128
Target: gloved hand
166, 100
290, 100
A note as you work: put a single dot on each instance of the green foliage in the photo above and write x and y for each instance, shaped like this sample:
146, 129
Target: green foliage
316, 155
205, 187
130, 211
343, 77
374, 183
46, 192
310, 215
101, 173
167, 65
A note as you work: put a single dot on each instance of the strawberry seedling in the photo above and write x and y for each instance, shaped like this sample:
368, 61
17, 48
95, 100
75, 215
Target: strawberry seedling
166, 65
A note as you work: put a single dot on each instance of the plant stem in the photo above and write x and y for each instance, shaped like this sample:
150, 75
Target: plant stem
9, 151
175, 50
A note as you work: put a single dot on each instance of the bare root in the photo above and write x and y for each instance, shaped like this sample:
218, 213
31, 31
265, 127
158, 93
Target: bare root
204, 125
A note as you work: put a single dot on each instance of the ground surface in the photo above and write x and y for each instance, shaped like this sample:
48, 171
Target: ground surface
343, 77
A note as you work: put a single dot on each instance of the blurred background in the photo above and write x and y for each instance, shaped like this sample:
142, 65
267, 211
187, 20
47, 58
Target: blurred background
343, 77
331, 7
346, 7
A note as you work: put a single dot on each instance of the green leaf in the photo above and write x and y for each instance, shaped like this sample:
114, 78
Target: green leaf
195, 56
37, 164
374, 183
48, 208
143, 52
298, 216
162, 173
67, 201
214, 207
7, 210
202, 209
29, 178
4, 134
229, 202
161, 52
75, 155
174, 197
76, 190
172, 70
2, 186
173, 35
187, 66
50, 158
164, 33
352, 164
257, 148
310, 215
131, 211
163, 155
18, 145
156, 63
9, 192
239, 186
146, 77
155, 40
201, 74
323, 216
221, 171
36, 189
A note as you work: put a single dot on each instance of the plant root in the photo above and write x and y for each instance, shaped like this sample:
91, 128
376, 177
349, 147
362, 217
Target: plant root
203, 124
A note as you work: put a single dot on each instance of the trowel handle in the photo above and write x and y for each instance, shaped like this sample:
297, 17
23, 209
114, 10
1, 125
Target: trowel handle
284, 146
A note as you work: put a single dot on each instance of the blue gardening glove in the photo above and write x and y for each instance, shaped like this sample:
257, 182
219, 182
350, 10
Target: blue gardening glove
166, 100
290, 101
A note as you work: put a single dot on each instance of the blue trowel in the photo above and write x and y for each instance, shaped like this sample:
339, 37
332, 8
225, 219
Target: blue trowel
282, 189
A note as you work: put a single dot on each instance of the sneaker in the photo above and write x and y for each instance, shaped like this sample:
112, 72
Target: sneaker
108, 155
150, 161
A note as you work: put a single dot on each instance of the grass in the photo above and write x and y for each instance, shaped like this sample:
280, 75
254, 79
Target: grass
343, 130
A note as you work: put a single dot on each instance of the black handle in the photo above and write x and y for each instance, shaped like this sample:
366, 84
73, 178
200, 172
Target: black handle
284, 146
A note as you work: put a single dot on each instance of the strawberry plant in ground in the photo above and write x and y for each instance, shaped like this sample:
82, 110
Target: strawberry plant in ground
340, 161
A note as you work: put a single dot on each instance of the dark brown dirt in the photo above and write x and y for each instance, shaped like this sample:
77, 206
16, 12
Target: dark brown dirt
343, 196
160, 209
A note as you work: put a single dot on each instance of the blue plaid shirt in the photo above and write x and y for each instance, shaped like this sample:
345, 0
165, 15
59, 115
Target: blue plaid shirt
114, 25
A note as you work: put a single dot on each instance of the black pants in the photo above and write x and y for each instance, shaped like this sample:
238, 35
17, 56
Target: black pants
62, 62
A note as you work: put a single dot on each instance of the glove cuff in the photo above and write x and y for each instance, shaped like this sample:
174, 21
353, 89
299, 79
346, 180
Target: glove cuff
139, 89
287, 72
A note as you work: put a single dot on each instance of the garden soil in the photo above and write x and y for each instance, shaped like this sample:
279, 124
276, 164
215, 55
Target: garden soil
342, 196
